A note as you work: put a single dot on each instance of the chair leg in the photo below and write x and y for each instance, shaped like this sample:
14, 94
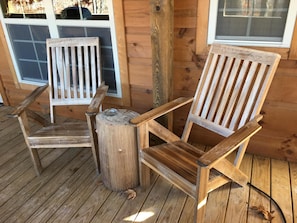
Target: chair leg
95, 152
202, 181
145, 176
36, 161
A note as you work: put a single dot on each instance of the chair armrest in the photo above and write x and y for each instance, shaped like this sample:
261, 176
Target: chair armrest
37, 118
229, 144
28, 100
161, 110
101, 92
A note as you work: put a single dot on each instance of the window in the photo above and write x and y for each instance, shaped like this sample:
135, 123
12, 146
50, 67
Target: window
252, 22
28, 24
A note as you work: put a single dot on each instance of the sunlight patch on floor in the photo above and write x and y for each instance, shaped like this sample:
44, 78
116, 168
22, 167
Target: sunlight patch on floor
140, 217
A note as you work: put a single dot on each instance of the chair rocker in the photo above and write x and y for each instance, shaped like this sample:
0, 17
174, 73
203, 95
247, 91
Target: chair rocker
228, 101
74, 74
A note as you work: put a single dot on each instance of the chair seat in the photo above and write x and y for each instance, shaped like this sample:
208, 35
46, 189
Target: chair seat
177, 160
55, 136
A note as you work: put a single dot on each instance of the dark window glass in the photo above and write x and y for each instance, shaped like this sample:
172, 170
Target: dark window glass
28, 43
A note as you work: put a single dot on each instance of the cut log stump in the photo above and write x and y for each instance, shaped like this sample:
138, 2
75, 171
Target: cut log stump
118, 149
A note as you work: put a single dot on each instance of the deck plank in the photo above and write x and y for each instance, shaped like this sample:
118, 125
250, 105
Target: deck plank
15, 186
92, 204
64, 205
131, 208
9, 136
109, 210
261, 179
238, 199
16, 167
62, 185
173, 206
155, 201
217, 204
188, 213
280, 181
24, 189
11, 149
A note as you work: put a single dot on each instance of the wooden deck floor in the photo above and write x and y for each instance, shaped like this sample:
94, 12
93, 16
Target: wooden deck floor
69, 190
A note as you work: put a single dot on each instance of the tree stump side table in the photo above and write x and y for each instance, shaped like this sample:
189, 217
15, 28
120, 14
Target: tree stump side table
118, 149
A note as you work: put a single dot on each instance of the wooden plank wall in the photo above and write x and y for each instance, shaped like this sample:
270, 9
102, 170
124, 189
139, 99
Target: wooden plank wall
278, 138
137, 22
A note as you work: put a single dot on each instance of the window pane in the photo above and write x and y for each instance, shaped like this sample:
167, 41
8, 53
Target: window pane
23, 9
81, 9
108, 71
261, 20
28, 43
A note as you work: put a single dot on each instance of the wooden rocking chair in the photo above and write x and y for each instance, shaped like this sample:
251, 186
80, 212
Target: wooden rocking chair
74, 74
228, 100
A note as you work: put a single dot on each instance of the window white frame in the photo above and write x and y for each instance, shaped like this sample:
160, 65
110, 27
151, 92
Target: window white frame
52, 23
287, 36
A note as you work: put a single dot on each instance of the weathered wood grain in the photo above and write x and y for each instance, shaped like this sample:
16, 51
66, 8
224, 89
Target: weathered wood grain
238, 197
280, 181
162, 50
260, 178
69, 191
27, 185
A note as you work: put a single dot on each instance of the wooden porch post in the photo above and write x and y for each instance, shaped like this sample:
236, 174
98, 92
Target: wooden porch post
162, 16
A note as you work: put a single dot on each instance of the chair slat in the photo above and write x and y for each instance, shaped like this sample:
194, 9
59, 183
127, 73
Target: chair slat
67, 72
87, 72
203, 86
235, 93
244, 95
212, 91
267, 79
221, 86
93, 69
255, 90
60, 71
225, 101
74, 72
54, 82
80, 72
169, 156
98, 63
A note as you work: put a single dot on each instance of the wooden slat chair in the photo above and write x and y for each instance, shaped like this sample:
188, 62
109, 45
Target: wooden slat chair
228, 100
74, 74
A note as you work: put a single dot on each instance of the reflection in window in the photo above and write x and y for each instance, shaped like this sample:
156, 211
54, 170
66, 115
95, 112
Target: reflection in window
81, 9
260, 20
23, 8
264, 8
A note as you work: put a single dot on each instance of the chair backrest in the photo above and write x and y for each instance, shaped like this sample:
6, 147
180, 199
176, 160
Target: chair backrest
232, 88
74, 70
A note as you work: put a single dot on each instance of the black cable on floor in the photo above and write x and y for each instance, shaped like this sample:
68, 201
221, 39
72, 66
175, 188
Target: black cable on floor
267, 195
